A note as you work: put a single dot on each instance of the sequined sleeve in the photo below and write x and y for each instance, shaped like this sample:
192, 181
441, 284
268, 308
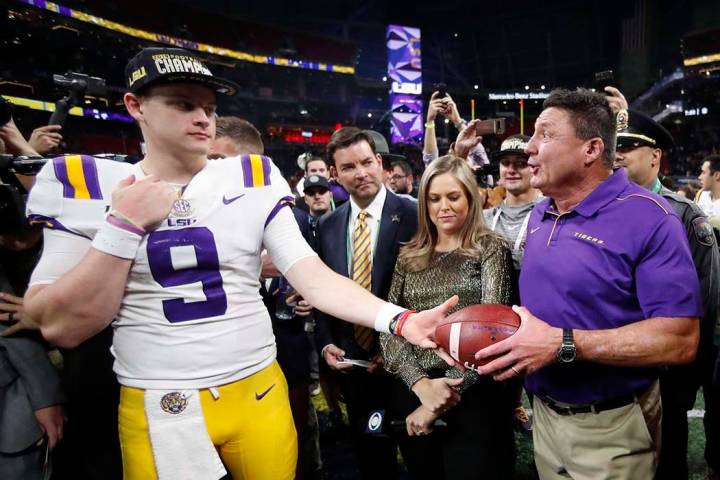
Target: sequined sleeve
496, 280
398, 353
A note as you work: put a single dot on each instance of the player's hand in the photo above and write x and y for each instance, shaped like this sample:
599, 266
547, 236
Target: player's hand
12, 313
419, 328
376, 363
45, 139
146, 202
333, 355
51, 420
466, 140
616, 100
533, 346
437, 394
420, 422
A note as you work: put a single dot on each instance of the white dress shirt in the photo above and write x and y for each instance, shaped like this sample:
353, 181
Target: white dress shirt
374, 211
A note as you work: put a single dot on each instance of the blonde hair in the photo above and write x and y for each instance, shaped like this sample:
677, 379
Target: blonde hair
475, 236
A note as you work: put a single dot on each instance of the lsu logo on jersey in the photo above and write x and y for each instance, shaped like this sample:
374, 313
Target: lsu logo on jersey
79, 177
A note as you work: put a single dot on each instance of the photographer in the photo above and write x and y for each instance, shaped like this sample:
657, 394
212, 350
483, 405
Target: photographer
31, 414
14, 142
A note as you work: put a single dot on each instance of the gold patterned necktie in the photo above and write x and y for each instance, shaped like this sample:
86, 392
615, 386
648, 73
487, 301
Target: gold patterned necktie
362, 273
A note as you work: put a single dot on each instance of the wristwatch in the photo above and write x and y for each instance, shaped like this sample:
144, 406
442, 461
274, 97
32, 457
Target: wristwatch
567, 352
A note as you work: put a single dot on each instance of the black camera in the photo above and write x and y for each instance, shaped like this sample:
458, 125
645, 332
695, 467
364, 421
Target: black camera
5, 111
483, 173
602, 80
12, 192
78, 86
441, 88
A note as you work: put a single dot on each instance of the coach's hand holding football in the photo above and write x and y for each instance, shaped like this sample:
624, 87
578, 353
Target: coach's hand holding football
533, 346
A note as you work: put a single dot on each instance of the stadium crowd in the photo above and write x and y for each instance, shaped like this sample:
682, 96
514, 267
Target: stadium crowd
193, 304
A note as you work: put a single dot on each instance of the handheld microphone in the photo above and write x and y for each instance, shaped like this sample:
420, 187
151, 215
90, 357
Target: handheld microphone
377, 422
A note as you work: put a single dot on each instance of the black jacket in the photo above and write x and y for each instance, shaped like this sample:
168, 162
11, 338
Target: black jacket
397, 224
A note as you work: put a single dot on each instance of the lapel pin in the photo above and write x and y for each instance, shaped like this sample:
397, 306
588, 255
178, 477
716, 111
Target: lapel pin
395, 218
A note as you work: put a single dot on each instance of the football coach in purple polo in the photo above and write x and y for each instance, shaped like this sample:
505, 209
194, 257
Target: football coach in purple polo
609, 295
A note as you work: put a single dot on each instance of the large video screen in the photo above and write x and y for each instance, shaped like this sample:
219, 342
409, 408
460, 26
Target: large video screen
405, 74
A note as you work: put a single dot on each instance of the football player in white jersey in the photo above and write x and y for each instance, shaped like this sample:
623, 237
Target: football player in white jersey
169, 249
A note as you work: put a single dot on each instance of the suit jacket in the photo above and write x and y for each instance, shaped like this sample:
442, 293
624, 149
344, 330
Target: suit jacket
28, 382
397, 224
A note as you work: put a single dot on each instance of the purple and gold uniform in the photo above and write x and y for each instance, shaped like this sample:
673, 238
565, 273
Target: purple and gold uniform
191, 317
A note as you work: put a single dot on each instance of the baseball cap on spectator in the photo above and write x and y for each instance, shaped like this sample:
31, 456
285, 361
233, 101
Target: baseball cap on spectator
315, 181
381, 147
514, 145
157, 65
642, 131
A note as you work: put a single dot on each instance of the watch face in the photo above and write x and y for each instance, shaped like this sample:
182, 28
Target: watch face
566, 354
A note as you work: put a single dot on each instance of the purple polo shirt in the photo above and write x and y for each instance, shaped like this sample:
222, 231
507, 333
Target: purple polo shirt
618, 257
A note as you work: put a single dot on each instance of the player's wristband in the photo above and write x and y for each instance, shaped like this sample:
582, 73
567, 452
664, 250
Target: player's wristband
401, 321
385, 315
121, 221
118, 239
126, 222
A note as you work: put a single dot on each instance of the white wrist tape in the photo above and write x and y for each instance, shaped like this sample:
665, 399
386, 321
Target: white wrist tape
116, 241
385, 315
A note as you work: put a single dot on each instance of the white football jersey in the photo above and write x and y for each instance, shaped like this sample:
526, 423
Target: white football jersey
710, 207
192, 316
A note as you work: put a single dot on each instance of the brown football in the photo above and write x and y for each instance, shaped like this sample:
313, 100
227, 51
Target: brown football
473, 328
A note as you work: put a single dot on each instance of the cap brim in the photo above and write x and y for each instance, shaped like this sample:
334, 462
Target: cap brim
312, 187
216, 84
502, 153
626, 141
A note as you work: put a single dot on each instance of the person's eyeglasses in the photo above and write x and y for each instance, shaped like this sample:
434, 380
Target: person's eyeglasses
396, 177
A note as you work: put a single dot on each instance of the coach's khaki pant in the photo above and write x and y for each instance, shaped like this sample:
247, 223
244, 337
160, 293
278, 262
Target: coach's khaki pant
617, 444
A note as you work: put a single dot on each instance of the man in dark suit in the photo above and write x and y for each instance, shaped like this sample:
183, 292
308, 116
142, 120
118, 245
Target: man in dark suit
31, 414
361, 240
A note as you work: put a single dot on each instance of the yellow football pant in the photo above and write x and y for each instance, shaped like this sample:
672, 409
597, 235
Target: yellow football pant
255, 438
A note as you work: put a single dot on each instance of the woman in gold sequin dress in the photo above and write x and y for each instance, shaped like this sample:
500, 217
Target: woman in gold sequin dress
453, 252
